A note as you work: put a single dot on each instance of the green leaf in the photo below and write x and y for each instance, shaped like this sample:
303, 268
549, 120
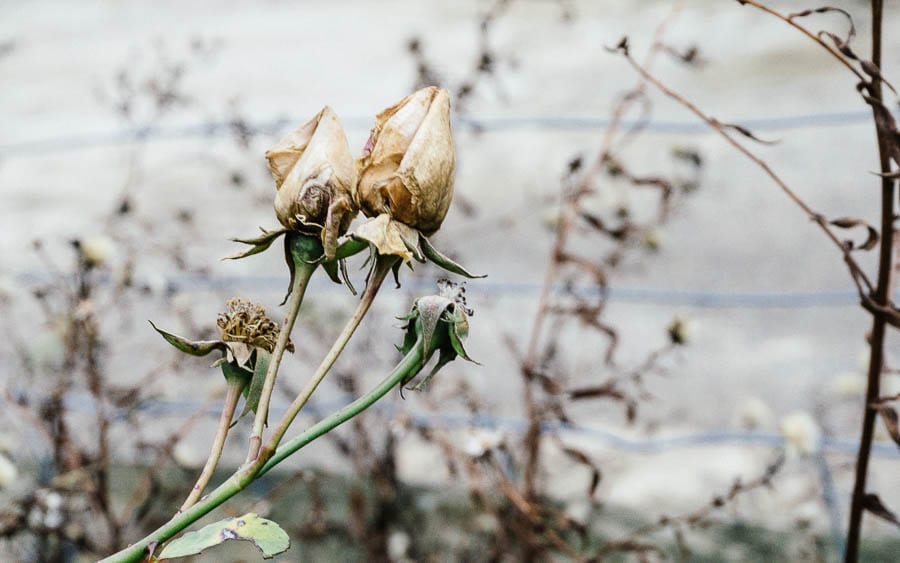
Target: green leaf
258, 244
444, 262
265, 535
253, 392
192, 347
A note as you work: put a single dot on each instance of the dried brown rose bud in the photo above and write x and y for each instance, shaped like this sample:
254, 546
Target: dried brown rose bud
246, 323
315, 178
406, 169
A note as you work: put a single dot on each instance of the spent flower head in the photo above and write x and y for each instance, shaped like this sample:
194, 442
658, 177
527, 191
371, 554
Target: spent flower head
247, 323
247, 339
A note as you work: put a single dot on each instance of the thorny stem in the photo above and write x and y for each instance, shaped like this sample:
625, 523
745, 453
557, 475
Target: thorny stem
881, 297
231, 400
303, 270
407, 368
383, 265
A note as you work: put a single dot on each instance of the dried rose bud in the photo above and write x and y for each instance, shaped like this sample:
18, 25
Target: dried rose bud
315, 178
407, 165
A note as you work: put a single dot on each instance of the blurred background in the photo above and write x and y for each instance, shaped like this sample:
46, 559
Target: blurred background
688, 387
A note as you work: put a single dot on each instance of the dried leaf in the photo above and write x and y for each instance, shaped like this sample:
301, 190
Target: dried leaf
582, 458
890, 419
386, 235
825, 9
747, 133
851, 222
873, 504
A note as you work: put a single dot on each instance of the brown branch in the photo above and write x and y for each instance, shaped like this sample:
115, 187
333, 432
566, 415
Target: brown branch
699, 516
790, 20
881, 298
718, 127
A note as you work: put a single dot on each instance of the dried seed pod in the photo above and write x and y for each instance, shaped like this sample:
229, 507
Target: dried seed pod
407, 166
315, 178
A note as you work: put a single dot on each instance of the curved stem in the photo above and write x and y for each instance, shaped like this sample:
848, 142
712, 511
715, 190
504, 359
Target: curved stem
231, 400
303, 270
408, 367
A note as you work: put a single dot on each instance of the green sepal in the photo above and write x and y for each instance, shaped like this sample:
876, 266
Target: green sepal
458, 332
253, 392
444, 262
395, 269
300, 248
336, 268
350, 247
236, 374
342, 267
192, 347
410, 337
337, 271
265, 534
258, 244
446, 356
331, 268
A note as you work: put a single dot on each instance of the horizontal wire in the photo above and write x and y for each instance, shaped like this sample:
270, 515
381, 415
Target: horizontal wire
707, 299
478, 124
515, 425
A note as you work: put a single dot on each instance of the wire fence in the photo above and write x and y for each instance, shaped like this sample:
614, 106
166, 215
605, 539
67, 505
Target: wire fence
697, 298
84, 404
477, 124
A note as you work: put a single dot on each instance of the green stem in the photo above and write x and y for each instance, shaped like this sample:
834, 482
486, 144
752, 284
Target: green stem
383, 266
303, 270
231, 400
408, 367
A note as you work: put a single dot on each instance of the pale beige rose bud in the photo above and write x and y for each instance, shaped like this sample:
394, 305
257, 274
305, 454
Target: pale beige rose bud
316, 178
407, 166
